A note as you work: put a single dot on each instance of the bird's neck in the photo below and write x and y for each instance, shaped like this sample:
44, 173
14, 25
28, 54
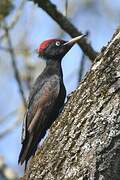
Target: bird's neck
54, 67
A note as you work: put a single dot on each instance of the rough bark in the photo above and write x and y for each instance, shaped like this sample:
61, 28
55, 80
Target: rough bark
84, 142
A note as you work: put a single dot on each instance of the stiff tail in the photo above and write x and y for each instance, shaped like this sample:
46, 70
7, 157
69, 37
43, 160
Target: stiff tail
29, 147
25, 151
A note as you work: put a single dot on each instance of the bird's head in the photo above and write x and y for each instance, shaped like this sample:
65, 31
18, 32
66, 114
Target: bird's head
56, 48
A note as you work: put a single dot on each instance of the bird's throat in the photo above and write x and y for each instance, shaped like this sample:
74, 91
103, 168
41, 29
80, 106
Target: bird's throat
54, 67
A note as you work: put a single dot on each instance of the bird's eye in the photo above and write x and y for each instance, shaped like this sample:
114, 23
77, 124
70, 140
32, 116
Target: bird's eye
57, 43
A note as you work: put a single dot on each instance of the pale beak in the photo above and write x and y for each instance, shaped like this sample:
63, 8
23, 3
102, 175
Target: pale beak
74, 40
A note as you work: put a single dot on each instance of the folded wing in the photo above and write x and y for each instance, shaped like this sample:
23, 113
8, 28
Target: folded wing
37, 117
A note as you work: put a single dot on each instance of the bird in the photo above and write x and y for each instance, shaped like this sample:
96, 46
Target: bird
47, 96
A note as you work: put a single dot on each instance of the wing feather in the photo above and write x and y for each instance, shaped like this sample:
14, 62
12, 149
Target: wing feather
41, 105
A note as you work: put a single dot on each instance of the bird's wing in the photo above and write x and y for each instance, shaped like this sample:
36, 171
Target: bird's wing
42, 102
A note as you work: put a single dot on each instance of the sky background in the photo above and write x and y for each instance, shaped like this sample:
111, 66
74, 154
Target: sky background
100, 18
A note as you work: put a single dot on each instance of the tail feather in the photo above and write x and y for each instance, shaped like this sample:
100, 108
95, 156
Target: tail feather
29, 147
24, 154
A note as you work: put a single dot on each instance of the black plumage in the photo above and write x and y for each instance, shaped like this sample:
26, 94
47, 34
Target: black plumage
46, 97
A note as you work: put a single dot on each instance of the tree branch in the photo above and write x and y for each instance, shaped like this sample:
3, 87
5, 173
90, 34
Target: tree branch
14, 19
3, 119
17, 15
81, 69
10, 128
16, 72
82, 62
67, 26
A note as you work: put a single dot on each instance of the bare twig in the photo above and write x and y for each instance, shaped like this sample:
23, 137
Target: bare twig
10, 128
15, 18
81, 69
66, 25
4, 48
16, 72
17, 15
3, 119
2, 37
82, 62
66, 7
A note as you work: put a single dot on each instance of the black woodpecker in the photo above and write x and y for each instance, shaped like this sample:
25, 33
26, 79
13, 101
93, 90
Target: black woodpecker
47, 96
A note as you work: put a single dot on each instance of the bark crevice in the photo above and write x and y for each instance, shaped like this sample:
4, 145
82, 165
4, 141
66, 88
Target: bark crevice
84, 142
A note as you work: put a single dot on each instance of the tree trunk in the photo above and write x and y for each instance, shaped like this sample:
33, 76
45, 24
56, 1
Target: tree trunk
84, 142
